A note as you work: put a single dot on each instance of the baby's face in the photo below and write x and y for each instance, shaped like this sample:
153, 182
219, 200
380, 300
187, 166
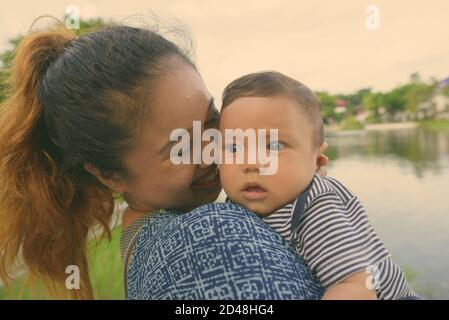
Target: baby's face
296, 152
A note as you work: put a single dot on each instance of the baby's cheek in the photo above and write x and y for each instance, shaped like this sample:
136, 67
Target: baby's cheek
289, 182
226, 178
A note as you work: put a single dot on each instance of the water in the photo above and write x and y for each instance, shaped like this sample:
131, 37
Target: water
402, 177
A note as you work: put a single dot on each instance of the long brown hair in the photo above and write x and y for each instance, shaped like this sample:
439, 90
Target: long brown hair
74, 101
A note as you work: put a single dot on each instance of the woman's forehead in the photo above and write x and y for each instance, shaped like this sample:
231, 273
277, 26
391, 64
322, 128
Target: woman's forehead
178, 98
179, 95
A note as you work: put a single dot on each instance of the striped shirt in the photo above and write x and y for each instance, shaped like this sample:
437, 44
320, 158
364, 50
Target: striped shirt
329, 228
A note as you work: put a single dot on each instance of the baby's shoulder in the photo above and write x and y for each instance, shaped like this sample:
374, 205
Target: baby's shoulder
327, 199
329, 189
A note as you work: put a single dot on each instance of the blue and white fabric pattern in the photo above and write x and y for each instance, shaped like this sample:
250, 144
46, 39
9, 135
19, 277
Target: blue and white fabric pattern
217, 251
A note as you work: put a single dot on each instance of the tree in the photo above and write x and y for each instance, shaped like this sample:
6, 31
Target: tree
327, 105
3, 85
7, 55
355, 99
415, 77
394, 101
373, 102
416, 93
446, 91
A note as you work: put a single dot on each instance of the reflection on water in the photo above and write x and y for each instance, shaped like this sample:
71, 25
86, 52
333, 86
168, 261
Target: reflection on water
402, 177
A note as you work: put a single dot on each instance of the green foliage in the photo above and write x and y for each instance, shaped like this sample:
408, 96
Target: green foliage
85, 26
394, 101
106, 274
416, 93
3, 85
7, 55
407, 97
351, 123
355, 99
435, 125
373, 102
403, 98
415, 77
327, 104
107, 269
410, 275
446, 91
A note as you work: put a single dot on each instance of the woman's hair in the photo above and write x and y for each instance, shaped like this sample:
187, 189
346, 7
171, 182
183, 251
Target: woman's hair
74, 100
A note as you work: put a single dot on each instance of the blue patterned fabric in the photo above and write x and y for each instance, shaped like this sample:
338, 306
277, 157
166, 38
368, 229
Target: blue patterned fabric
216, 251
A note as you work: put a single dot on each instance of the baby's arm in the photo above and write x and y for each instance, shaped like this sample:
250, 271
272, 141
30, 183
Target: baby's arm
338, 243
352, 288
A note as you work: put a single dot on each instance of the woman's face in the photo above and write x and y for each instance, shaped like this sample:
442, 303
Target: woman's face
178, 98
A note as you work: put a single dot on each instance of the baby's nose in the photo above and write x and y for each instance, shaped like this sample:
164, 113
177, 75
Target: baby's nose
251, 167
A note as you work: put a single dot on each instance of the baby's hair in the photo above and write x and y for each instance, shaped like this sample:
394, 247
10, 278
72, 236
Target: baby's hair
271, 84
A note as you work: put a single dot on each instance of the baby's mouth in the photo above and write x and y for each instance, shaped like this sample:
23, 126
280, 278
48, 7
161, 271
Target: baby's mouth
253, 191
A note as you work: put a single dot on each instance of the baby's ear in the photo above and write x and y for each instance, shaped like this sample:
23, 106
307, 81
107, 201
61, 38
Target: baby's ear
323, 146
321, 160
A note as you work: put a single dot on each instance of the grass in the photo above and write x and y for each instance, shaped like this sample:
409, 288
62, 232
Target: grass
435, 124
106, 268
106, 275
350, 123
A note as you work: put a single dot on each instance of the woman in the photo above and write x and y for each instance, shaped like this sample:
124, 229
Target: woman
92, 115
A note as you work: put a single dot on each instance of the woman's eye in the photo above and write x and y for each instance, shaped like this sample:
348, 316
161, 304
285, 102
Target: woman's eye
184, 150
212, 122
275, 146
233, 148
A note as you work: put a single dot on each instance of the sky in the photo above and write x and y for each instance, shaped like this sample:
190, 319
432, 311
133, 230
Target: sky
335, 46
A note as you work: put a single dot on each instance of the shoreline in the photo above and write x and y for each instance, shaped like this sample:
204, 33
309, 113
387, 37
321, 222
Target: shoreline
335, 129
391, 126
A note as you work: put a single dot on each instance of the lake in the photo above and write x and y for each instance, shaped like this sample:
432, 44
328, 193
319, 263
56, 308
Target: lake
402, 177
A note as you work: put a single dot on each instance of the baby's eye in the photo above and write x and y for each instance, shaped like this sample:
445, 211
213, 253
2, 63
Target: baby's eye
232, 148
275, 146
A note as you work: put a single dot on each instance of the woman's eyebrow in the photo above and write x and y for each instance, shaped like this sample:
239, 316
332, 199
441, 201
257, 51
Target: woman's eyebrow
169, 144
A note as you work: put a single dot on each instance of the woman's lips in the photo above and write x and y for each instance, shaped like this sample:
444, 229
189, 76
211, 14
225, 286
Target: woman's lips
253, 191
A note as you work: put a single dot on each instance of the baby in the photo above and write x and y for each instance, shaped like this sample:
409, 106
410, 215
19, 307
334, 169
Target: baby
324, 221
